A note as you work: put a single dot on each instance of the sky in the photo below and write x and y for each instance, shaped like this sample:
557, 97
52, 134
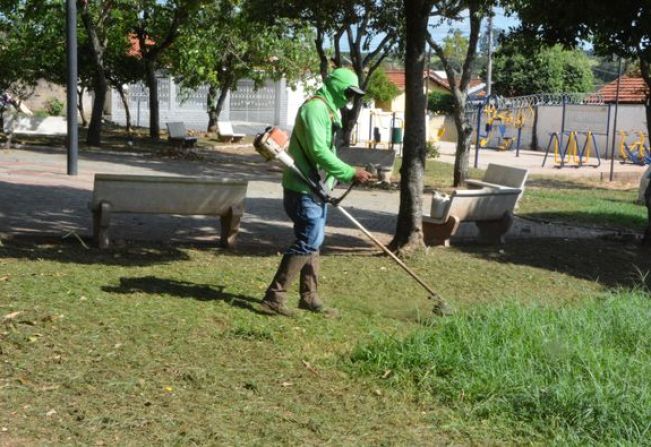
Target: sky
500, 20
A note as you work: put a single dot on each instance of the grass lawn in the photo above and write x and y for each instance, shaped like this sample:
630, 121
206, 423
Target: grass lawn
563, 199
157, 345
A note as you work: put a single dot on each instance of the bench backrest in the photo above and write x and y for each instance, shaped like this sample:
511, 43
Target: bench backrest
168, 195
224, 128
176, 130
358, 156
506, 175
480, 204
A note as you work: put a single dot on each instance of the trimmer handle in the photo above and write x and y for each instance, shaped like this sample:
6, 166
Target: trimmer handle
335, 201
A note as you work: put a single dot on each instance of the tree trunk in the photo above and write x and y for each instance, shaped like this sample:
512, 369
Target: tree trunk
534, 130
94, 137
323, 58
12, 127
408, 235
459, 87
646, 74
80, 105
154, 111
125, 104
215, 109
211, 105
464, 134
349, 119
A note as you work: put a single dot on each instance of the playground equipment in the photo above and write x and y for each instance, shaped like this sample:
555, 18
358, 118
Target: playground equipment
571, 155
585, 118
637, 153
508, 117
589, 145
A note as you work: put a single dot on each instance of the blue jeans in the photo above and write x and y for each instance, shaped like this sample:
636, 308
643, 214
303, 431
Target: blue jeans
309, 217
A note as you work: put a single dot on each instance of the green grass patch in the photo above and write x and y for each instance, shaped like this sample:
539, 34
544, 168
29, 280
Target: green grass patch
577, 375
593, 204
161, 345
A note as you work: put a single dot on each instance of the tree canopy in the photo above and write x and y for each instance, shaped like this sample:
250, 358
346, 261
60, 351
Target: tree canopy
31, 44
222, 44
547, 69
380, 88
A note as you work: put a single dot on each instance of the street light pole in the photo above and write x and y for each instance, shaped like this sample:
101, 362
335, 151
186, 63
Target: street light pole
612, 149
489, 68
71, 53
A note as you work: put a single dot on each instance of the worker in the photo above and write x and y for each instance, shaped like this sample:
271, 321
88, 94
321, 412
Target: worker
312, 146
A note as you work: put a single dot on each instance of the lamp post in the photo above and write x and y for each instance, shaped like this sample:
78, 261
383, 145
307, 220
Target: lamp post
612, 149
71, 53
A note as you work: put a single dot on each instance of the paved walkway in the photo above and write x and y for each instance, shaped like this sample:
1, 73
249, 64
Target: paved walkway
37, 198
532, 160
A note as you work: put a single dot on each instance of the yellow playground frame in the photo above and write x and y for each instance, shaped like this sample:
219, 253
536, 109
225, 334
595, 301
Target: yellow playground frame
571, 155
637, 152
518, 117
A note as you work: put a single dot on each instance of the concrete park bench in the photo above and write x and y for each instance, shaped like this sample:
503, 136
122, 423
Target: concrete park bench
225, 132
178, 135
167, 195
381, 160
490, 209
501, 176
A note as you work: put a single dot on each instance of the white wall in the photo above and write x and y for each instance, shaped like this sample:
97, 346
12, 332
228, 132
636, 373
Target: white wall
249, 109
295, 98
630, 118
384, 121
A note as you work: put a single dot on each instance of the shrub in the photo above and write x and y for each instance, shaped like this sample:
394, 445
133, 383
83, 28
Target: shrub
440, 103
577, 375
432, 149
380, 88
54, 107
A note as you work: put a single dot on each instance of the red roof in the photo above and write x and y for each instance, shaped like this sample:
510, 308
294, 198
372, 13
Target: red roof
632, 90
398, 78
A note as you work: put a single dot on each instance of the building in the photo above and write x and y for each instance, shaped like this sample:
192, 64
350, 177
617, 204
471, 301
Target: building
435, 81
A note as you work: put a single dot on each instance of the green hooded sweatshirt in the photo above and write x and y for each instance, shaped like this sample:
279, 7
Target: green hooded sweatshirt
313, 132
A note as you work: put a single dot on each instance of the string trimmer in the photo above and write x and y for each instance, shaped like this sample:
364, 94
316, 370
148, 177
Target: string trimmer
272, 145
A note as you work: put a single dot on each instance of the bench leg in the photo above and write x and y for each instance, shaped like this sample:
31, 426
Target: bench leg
101, 222
493, 232
230, 224
440, 234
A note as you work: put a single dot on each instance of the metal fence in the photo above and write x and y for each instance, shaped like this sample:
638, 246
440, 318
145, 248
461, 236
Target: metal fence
246, 104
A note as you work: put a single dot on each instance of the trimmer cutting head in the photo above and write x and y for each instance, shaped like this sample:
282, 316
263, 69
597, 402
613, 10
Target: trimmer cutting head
440, 308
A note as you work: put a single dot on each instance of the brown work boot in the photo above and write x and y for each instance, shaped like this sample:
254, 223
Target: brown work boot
272, 308
309, 289
274, 300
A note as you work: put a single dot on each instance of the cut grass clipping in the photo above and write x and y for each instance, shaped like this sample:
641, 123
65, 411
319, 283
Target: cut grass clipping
575, 375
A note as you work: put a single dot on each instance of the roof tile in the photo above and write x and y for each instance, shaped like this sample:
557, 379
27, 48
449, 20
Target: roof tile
632, 90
